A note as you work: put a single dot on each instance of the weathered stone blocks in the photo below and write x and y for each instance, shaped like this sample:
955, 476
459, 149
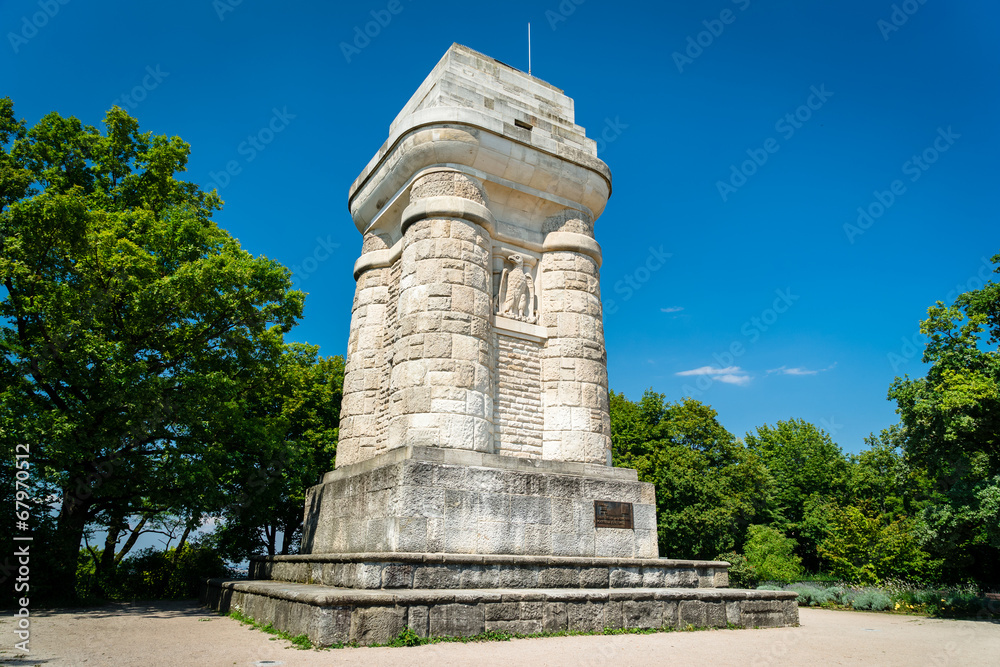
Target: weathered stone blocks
403, 502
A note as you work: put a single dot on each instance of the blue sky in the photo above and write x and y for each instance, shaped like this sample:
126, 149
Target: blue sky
742, 137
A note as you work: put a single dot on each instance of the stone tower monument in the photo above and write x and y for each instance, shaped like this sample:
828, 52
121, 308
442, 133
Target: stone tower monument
477, 317
477, 343
473, 474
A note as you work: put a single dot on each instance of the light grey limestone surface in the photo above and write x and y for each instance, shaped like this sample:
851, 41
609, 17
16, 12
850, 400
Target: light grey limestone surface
477, 319
404, 501
445, 571
330, 615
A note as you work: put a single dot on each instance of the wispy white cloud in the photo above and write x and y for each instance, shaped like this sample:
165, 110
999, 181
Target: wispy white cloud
672, 309
729, 375
711, 370
734, 379
798, 370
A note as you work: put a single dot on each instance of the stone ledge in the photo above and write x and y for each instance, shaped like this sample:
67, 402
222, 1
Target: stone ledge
397, 571
331, 615
464, 457
492, 559
533, 332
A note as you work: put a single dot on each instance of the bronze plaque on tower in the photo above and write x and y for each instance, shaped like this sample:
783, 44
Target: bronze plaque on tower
611, 514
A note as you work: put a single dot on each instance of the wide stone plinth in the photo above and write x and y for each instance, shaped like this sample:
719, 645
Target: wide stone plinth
445, 500
330, 615
465, 571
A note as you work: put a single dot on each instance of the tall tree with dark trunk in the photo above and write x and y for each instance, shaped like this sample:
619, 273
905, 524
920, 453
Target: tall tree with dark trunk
132, 327
951, 421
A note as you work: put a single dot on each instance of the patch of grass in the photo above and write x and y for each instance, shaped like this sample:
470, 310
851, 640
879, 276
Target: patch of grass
298, 641
409, 637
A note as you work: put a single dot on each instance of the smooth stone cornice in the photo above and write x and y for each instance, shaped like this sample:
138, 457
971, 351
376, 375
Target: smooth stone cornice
450, 135
448, 206
377, 259
574, 242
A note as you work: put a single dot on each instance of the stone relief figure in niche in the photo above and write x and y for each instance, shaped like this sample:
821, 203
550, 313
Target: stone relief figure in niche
517, 292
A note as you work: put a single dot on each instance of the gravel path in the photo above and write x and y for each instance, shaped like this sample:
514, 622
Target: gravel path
164, 634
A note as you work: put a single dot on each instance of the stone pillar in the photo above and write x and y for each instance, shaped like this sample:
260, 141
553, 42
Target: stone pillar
365, 358
442, 392
577, 425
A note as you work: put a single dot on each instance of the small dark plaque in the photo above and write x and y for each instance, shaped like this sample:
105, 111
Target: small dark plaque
609, 514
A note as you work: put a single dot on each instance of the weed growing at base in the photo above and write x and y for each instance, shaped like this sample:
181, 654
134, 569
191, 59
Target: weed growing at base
409, 637
299, 641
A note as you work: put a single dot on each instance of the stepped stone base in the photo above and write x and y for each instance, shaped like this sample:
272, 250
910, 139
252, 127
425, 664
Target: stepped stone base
329, 615
442, 500
464, 571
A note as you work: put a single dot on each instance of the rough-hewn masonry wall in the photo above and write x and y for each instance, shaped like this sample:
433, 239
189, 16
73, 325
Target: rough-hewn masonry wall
390, 334
518, 406
574, 363
442, 393
363, 368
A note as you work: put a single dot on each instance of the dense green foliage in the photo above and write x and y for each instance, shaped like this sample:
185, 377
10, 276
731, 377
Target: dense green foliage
741, 573
951, 421
144, 360
152, 574
772, 554
807, 470
709, 487
951, 602
921, 502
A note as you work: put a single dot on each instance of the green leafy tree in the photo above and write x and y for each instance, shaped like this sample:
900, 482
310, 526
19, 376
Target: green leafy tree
709, 488
772, 554
132, 326
866, 547
807, 470
267, 488
952, 429
883, 478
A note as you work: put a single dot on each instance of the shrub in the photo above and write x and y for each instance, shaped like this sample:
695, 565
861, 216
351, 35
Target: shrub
770, 587
839, 594
741, 572
771, 554
811, 596
870, 599
156, 575
865, 547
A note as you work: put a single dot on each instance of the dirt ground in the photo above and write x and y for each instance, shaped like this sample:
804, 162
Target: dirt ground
164, 634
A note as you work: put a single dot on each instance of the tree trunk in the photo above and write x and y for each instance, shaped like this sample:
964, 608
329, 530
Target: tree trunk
180, 545
288, 534
271, 533
130, 542
64, 552
105, 567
